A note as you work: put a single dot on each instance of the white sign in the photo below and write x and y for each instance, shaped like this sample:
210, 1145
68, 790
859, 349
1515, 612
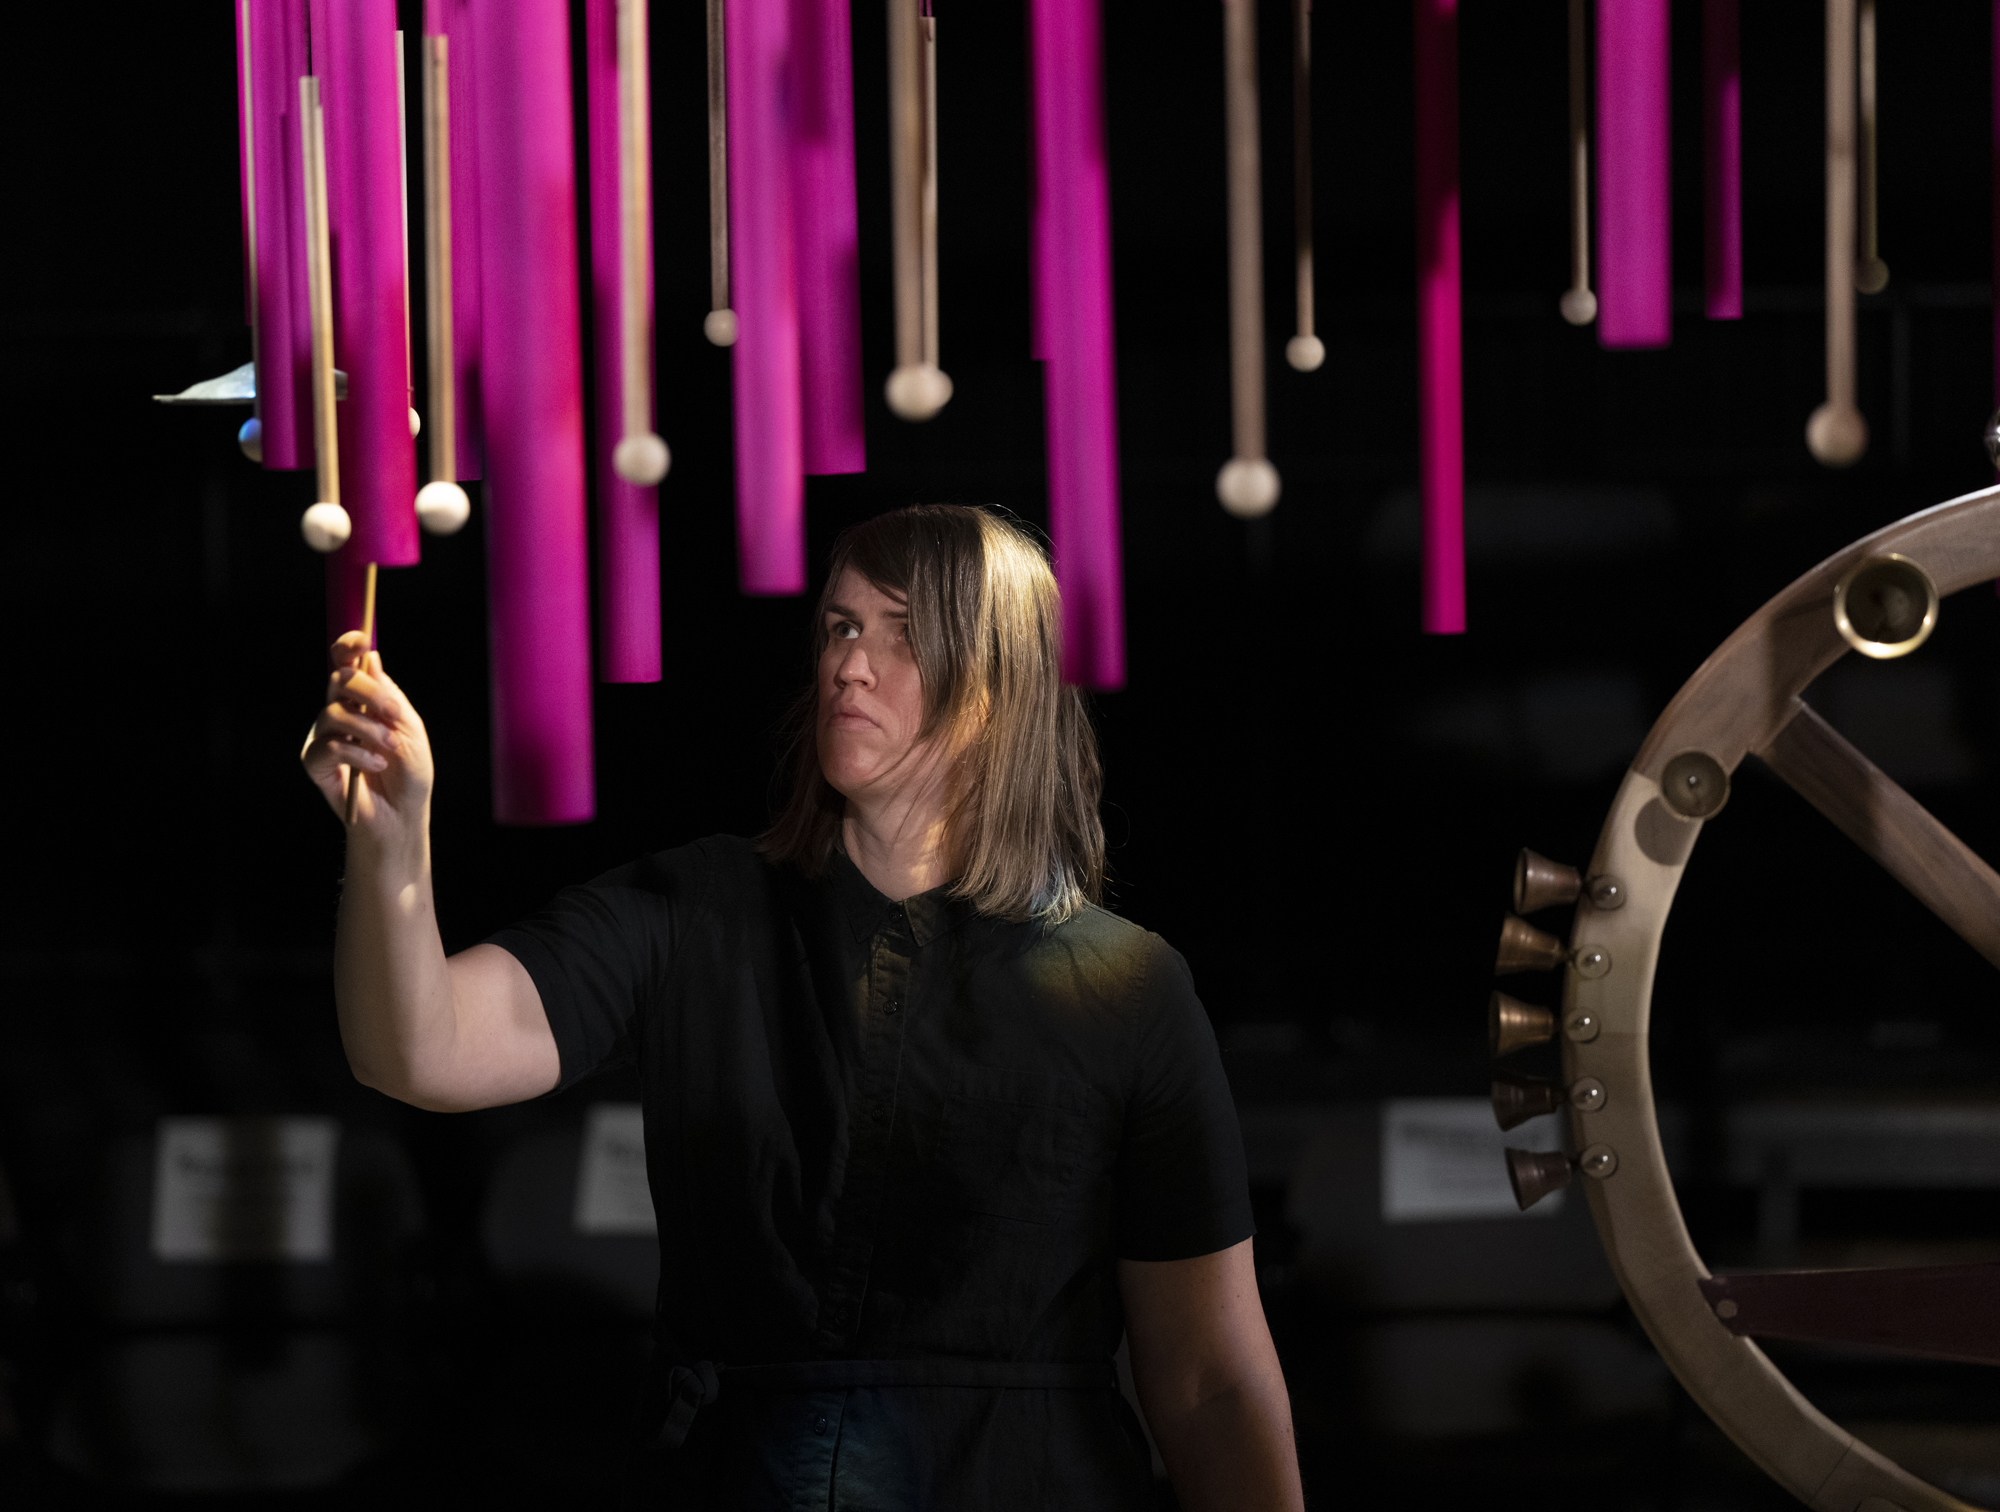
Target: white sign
611, 1192
244, 1188
1443, 1157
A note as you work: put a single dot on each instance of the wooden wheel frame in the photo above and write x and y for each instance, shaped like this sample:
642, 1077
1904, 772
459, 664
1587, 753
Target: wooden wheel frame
1745, 699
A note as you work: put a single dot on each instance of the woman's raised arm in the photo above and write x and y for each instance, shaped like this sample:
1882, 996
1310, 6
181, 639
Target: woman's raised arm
445, 1034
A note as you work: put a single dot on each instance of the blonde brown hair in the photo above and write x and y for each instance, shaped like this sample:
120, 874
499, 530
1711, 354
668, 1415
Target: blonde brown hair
985, 625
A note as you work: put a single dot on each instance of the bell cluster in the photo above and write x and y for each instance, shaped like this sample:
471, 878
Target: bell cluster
1513, 1025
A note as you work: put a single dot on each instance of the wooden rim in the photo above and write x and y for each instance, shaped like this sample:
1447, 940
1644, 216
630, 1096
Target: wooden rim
1744, 699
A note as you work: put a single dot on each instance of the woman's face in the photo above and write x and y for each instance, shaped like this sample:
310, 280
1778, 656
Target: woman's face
871, 696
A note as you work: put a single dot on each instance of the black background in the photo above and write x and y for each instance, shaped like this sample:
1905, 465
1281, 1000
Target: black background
1317, 804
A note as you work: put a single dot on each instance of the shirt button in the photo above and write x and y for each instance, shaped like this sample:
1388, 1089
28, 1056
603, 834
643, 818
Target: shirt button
819, 1425
895, 1005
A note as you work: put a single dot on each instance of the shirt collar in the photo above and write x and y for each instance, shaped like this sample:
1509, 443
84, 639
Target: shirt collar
929, 914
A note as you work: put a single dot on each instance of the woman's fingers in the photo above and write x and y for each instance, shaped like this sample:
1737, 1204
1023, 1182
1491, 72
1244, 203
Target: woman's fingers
338, 722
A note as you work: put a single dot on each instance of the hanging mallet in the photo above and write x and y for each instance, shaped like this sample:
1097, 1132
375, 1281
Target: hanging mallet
719, 326
1871, 274
918, 388
1837, 435
325, 524
641, 457
1247, 486
1305, 351
442, 506
1579, 305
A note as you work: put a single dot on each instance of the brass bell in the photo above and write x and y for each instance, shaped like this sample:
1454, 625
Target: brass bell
1526, 948
1541, 883
1516, 1100
1534, 1174
1514, 1025
1886, 606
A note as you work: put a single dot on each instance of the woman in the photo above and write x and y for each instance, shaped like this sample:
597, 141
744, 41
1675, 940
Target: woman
926, 1129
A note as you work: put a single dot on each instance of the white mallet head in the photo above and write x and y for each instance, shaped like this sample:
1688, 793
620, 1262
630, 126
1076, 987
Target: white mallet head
1836, 437
1305, 353
326, 527
1247, 487
719, 326
1579, 307
416, 424
917, 392
443, 508
250, 436
642, 459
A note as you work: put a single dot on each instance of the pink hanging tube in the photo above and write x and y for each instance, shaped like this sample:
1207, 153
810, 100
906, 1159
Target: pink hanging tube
354, 55
1996, 209
283, 314
452, 20
826, 238
1441, 418
1634, 272
531, 386
1072, 250
770, 478
1722, 147
628, 514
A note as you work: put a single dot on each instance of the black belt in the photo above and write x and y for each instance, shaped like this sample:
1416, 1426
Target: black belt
692, 1387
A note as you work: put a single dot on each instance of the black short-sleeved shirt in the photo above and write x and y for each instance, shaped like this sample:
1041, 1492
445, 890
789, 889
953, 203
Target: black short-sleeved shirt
894, 1131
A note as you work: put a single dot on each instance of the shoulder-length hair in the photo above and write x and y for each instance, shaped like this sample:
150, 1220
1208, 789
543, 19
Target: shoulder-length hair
985, 625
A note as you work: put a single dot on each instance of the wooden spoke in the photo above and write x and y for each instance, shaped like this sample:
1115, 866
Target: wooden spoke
1905, 837
1947, 1312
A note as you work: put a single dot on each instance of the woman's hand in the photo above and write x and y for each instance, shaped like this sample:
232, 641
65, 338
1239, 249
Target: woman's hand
368, 726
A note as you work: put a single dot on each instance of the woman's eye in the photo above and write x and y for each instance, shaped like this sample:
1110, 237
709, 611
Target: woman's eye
845, 630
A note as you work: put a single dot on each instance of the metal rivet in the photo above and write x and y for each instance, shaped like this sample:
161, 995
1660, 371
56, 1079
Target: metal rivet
1591, 962
1599, 1161
1726, 1308
1587, 1096
1582, 1027
1606, 893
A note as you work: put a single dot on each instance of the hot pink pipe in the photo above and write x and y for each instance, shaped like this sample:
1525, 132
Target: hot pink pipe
452, 19
1073, 297
628, 515
244, 113
1634, 272
1722, 142
354, 55
531, 386
770, 478
1440, 383
826, 237
284, 315
1996, 208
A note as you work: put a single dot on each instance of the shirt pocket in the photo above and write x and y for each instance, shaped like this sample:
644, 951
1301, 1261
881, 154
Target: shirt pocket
1016, 1144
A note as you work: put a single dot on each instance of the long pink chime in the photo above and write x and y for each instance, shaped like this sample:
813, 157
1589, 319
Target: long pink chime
770, 468
1993, 424
531, 393
629, 455
826, 237
1441, 422
1634, 272
1722, 154
1073, 313
272, 46
354, 55
452, 20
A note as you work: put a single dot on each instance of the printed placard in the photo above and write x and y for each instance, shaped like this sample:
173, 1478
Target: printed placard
236, 1189
1444, 1157
611, 1192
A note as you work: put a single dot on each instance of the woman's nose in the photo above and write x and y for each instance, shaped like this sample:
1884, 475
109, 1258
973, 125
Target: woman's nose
854, 668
